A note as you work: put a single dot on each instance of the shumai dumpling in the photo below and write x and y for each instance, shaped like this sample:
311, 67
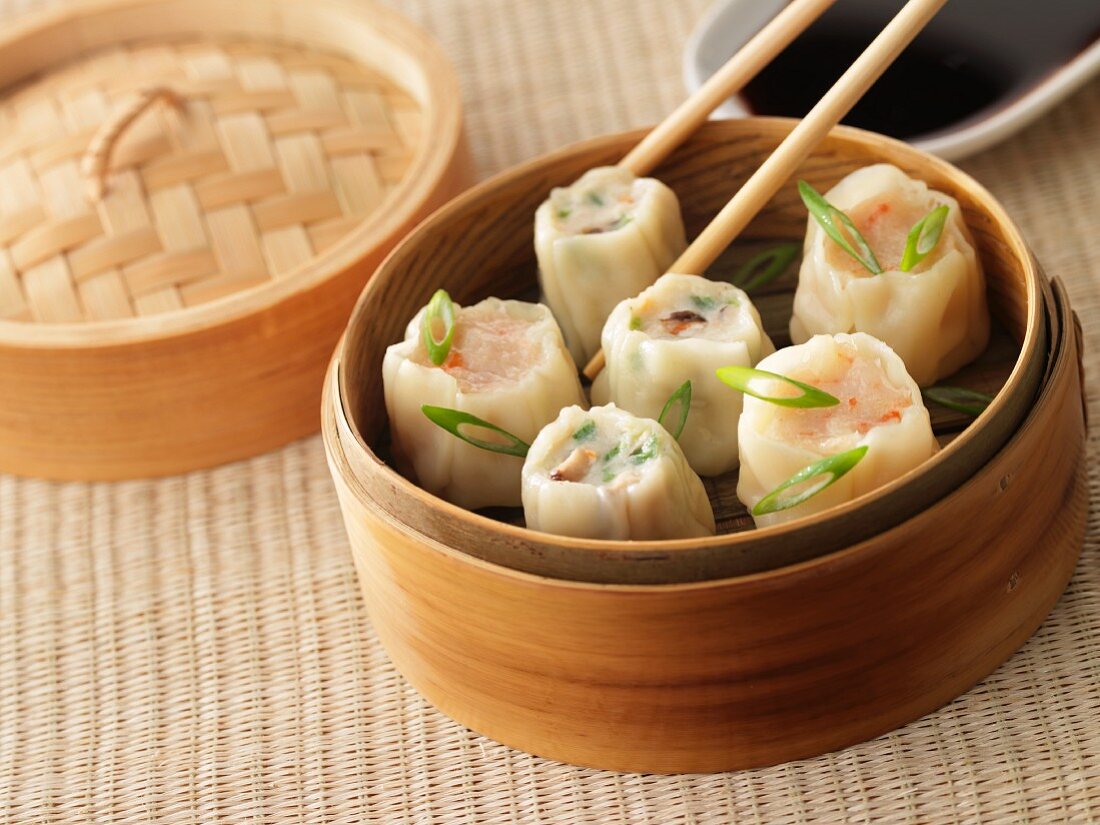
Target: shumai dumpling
684, 327
880, 408
934, 316
607, 474
508, 365
605, 238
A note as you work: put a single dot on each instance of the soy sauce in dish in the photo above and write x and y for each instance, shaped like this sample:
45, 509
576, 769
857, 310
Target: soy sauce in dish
975, 56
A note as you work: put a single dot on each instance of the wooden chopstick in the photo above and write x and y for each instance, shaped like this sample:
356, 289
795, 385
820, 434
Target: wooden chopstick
742, 67
783, 162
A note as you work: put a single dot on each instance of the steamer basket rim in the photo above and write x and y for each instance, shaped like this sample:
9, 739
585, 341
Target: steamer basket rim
1035, 329
772, 577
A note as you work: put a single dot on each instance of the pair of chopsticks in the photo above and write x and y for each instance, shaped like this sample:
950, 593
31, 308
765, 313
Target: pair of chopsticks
783, 162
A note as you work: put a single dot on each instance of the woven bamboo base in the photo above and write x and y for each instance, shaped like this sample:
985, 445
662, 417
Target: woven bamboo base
195, 649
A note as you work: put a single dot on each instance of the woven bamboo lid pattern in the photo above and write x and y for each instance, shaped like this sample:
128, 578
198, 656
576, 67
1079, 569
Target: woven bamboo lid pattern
192, 195
273, 156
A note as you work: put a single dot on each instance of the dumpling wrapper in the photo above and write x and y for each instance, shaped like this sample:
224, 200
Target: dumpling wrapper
508, 365
684, 327
880, 407
607, 474
605, 238
935, 316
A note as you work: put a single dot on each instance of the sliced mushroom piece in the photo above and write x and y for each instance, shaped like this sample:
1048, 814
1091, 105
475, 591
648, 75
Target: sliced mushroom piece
575, 467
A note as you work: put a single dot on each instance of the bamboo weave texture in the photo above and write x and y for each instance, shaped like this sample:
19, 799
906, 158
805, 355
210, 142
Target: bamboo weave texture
195, 650
277, 154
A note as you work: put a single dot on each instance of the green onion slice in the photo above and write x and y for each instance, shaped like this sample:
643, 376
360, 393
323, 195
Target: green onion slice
742, 378
961, 399
836, 223
642, 454
586, 431
832, 468
763, 268
442, 309
923, 238
682, 396
452, 420
703, 302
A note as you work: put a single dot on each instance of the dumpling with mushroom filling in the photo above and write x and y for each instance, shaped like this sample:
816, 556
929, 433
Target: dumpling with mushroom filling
934, 315
684, 327
507, 364
605, 238
879, 407
607, 474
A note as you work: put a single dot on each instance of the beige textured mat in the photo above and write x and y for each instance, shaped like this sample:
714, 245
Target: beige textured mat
195, 649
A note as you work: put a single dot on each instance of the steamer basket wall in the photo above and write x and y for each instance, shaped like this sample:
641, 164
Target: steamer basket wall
753, 647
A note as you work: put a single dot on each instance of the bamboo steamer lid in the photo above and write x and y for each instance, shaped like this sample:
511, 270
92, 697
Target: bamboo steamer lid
191, 197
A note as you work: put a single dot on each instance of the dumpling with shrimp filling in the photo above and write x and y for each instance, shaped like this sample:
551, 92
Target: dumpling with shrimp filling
934, 315
684, 327
507, 364
605, 238
607, 474
879, 408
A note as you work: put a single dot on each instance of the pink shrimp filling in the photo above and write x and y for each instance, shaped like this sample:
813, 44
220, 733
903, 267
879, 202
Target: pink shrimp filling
490, 349
884, 223
867, 397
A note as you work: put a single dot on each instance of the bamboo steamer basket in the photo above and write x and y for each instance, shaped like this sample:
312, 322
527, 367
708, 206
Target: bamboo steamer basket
755, 646
192, 194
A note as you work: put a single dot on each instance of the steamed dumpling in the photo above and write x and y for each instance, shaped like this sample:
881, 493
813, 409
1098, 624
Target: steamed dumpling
684, 327
934, 316
507, 365
880, 407
606, 474
605, 238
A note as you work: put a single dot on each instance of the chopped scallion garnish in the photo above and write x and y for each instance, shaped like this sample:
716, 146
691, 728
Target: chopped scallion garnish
586, 431
765, 267
564, 213
832, 467
961, 399
614, 451
452, 420
836, 223
594, 198
635, 322
742, 379
441, 310
704, 301
645, 452
682, 396
923, 238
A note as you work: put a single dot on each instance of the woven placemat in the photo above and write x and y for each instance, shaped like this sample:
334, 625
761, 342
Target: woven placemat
195, 649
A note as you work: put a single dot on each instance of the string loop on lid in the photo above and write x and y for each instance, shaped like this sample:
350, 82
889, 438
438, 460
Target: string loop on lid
97, 159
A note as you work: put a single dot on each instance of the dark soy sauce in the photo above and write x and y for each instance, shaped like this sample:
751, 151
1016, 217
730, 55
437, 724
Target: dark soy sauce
975, 56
